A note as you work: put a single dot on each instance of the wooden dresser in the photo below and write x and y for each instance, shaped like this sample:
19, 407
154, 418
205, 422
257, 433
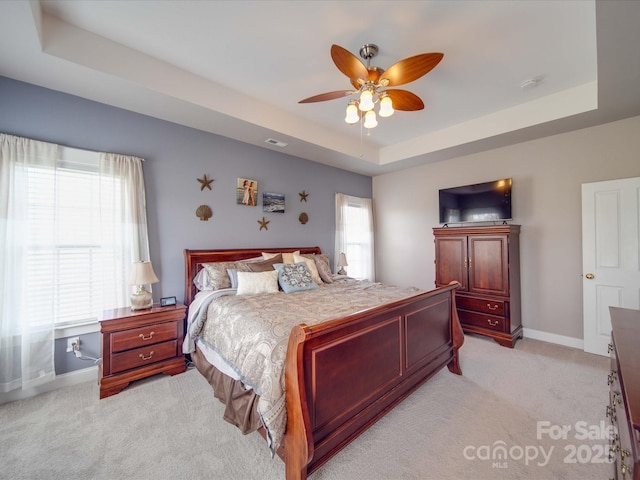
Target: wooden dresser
624, 396
138, 344
486, 262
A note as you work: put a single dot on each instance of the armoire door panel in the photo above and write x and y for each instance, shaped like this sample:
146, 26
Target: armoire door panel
488, 265
451, 264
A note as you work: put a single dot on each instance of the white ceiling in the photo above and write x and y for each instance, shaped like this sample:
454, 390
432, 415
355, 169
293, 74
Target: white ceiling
239, 68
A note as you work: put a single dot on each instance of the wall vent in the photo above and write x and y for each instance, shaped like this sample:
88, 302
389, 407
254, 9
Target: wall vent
275, 142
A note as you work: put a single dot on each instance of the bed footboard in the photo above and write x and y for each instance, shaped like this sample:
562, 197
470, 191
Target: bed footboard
343, 375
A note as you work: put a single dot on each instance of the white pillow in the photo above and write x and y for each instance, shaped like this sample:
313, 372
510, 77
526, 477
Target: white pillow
311, 265
253, 283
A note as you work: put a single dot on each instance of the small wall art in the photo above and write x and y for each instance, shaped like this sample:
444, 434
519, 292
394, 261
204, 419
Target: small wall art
205, 182
247, 192
204, 212
273, 202
263, 224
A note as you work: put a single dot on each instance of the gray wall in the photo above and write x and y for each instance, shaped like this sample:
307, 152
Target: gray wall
176, 157
547, 177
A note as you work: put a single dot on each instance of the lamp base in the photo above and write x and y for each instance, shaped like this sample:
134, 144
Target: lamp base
342, 271
141, 300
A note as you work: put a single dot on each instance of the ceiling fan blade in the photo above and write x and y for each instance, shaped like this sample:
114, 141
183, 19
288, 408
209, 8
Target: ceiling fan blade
348, 63
405, 100
323, 97
411, 68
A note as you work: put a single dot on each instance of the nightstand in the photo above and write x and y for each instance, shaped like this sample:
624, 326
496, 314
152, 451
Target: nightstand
138, 344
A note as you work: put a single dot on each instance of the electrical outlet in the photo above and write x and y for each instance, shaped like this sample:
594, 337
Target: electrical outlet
71, 341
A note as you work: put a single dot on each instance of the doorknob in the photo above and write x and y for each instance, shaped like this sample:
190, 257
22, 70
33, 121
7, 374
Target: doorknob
590, 276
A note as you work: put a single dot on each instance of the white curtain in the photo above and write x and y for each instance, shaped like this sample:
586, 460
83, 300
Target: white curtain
354, 235
26, 346
127, 217
31, 169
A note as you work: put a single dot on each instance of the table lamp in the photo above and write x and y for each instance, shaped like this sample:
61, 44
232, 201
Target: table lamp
342, 262
142, 274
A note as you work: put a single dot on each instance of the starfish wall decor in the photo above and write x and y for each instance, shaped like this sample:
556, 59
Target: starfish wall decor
263, 224
303, 196
205, 182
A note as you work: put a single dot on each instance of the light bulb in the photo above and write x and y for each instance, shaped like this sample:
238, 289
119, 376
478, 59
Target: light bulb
366, 101
370, 119
386, 107
352, 113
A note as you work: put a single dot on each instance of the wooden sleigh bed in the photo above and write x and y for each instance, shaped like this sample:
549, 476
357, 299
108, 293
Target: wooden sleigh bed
342, 375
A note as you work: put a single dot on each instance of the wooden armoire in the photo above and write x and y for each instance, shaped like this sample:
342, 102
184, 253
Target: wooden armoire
486, 262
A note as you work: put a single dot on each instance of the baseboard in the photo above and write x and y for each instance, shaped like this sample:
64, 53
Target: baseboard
554, 338
65, 380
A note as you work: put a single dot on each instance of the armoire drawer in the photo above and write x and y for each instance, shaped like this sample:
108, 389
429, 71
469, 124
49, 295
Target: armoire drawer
492, 307
491, 322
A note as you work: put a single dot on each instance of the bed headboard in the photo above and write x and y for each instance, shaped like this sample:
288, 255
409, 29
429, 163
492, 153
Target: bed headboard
193, 260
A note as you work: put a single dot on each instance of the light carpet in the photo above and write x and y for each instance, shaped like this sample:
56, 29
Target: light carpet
502, 419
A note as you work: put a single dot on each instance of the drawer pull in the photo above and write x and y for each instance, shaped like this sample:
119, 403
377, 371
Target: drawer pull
147, 338
492, 307
146, 358
494, 323
609, 347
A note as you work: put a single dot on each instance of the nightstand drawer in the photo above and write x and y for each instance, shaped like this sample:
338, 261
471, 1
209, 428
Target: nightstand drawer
140, 337
490, 322
491, 307
143, 356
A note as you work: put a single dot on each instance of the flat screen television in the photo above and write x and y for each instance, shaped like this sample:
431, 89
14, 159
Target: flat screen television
481, 202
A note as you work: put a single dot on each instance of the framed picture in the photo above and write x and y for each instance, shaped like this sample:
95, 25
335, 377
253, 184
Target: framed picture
247, 192
273, 202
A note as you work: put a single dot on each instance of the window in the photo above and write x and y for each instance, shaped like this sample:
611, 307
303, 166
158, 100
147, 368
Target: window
72, 240
354, 235
71, 224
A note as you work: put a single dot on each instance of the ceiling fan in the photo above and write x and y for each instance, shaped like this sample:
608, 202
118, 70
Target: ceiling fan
371, 83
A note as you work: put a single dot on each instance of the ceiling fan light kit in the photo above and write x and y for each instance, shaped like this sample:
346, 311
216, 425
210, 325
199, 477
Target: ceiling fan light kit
370, 80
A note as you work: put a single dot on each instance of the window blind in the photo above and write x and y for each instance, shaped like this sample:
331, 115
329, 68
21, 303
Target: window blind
71, 242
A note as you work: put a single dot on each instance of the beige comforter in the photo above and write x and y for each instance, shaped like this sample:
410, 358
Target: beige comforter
250, 333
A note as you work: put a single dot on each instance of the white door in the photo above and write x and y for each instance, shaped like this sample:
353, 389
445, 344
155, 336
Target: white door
610, 255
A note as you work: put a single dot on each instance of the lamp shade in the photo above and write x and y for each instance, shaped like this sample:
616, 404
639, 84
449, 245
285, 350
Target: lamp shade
370, 119
386, 106
352, 113
142, 273
366, 101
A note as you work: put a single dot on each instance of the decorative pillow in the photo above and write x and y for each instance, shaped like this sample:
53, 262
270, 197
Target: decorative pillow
254, 283
201, 280
311, 265
294, 277
251, 260
233, 277
324, 270
218, 276
265, 265
287, 257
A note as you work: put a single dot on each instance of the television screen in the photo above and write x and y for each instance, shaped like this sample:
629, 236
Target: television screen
482, 202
